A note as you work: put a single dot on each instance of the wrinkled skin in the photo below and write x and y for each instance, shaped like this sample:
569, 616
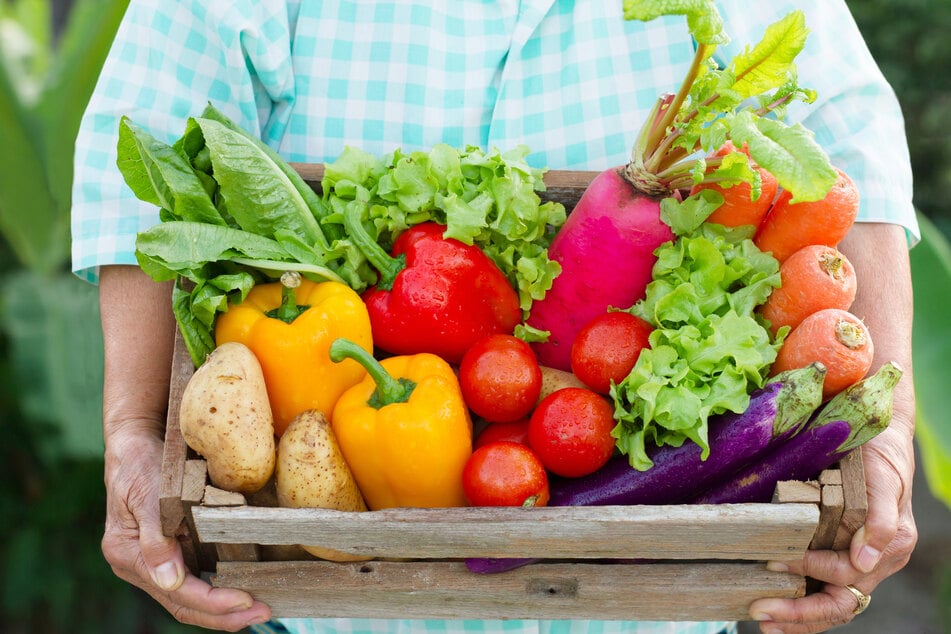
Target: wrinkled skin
135, 311
883, 546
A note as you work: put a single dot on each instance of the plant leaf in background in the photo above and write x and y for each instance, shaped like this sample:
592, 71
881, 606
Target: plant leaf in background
931, 275
39, 124
50, 317
52, 580
56, 348
32, 221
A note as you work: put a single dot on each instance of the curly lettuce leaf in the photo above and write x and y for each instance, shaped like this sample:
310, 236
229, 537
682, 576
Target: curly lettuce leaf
489, 199
708, 350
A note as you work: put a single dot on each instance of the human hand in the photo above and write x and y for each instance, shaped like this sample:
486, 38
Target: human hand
880, 548
140, 554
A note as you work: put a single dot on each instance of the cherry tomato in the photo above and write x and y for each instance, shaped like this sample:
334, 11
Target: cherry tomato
500, 378
607, 347
505, 473
570, 430
514, 431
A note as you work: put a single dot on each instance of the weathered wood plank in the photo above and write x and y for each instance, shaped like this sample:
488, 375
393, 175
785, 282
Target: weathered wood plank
830, 476
794, 491
855, 498
171, 509
700, 591
723, 531
830, 516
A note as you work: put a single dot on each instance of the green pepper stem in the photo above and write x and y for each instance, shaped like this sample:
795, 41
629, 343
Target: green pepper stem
388, 389
387, 266
288, 311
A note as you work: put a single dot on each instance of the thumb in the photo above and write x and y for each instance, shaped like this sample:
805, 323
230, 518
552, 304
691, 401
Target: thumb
162, 555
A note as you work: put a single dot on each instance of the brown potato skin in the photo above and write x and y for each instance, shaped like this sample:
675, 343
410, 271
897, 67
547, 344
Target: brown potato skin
226, 417
554, 379
311, 473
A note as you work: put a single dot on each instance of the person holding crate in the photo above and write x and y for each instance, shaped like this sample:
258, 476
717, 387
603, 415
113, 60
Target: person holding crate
571, 80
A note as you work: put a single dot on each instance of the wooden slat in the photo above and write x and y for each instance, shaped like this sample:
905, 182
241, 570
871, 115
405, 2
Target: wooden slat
794, 491
198, 556
830, 476
171, 509
855, 498
216, 498
830, 516
722, 531
700, 591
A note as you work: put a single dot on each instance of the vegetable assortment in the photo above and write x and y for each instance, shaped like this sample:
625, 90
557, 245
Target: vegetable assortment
440, 336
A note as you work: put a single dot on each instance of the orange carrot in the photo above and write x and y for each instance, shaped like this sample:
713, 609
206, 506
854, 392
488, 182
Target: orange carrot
834, 337
738, 208
814, 277
790, 226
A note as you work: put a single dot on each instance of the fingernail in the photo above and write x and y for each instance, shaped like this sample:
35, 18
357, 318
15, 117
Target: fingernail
241, 607
761, 616
166, 576
772, 630
777, 566
868, 558
258, 620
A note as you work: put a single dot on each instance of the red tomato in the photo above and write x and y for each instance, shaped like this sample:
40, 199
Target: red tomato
607, 347
515, 431
505, 473
500, 378
570, 430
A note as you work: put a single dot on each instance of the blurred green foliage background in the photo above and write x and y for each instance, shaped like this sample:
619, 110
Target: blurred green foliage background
53, 578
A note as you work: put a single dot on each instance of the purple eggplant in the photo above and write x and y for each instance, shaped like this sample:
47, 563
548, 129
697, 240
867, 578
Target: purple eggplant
847, 421
775, 412
803, 456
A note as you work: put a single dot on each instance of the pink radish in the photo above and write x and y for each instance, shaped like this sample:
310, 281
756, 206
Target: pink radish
610, 223
606, 246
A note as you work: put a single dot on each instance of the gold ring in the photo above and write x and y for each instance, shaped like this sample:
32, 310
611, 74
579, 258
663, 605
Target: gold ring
861, 597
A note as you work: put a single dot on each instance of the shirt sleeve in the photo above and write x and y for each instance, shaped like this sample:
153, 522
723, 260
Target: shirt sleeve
167, 62
856, 115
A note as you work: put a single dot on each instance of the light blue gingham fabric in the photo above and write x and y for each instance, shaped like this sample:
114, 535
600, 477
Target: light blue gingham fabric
571, 79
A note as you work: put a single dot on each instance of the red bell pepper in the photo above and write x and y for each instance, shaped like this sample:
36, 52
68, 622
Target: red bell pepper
434, 294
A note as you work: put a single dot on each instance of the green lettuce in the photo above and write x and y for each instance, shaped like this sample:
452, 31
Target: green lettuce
486, 198
708, 350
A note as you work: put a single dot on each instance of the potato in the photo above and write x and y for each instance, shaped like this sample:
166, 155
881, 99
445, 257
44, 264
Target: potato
311, 473
226, 417
554, 379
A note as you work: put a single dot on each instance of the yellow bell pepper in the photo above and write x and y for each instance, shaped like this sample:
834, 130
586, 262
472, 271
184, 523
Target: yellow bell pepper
406, 439
290, 331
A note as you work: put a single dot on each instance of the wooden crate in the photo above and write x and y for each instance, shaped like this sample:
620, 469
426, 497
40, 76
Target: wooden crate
665, 562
